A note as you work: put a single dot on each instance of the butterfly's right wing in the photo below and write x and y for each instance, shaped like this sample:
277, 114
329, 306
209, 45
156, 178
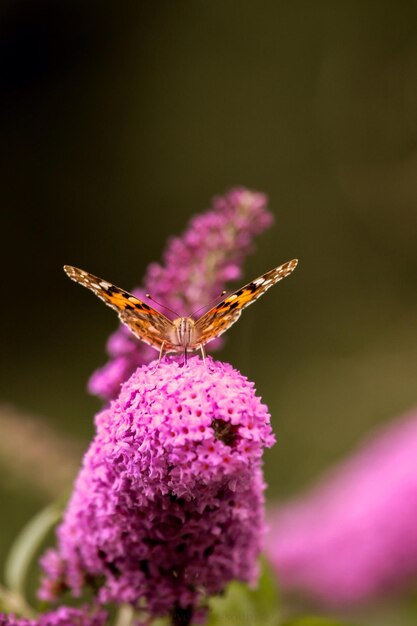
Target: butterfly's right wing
145, 322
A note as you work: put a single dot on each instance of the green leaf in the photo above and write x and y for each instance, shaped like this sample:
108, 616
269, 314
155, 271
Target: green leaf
242, 606
26, 546
11, 602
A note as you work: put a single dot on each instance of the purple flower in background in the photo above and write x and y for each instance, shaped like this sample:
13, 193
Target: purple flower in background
353, 538
168, 506
196, 268
64, 616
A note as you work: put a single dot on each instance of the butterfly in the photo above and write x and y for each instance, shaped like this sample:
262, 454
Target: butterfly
184, 333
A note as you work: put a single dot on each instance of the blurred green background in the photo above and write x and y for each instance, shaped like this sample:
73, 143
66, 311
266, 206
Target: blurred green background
119, 120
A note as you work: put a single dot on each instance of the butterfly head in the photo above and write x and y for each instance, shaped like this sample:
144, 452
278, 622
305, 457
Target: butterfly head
183, 333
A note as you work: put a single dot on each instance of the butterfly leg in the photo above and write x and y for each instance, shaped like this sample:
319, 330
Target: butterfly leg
161, 354
203, 354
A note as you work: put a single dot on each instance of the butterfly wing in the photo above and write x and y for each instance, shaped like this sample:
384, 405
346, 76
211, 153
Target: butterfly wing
146, 323
218, 319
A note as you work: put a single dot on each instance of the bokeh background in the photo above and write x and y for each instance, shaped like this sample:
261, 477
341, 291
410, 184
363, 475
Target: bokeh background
119, 120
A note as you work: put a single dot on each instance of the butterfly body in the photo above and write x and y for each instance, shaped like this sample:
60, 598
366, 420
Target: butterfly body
182, 333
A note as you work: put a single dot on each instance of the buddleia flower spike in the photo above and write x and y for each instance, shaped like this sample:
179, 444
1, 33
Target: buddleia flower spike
196, 267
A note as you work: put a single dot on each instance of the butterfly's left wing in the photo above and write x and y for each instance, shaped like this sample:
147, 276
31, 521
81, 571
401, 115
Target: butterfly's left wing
218, 319
145, 322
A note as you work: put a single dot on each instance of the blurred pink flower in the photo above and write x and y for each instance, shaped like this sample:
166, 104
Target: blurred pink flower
196, 268
353, 537
63, 616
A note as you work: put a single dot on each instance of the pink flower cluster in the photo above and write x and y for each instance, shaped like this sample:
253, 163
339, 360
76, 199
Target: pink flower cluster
64, 616
353, 538
168, 506
196, 268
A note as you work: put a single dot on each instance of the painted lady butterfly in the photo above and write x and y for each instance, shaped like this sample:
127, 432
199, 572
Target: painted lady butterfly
183, 333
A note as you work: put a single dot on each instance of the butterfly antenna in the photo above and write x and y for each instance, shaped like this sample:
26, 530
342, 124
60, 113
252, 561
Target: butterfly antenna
148, 295
223, 293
